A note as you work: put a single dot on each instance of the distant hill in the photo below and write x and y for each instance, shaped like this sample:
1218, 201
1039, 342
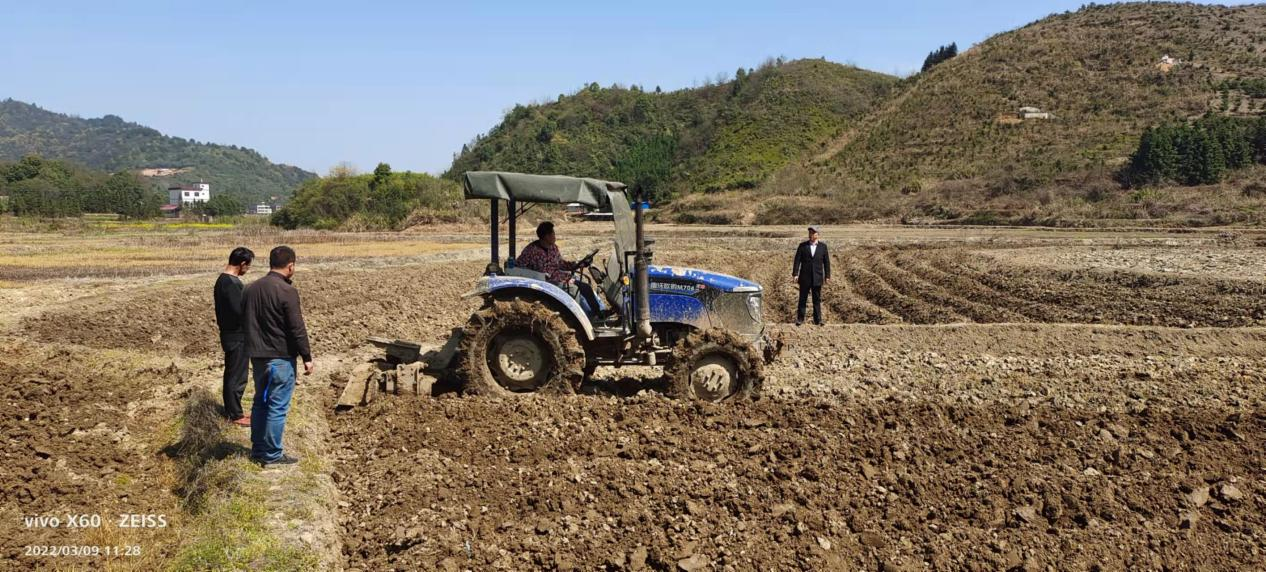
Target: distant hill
730, 135
951, 140
112, 144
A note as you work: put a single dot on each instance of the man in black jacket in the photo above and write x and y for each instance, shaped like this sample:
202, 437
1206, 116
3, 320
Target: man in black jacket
228, 316
275, 336
811, 269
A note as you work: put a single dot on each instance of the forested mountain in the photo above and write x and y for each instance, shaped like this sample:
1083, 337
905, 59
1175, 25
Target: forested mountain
111, 144
1042, 124
960, 136
728, 135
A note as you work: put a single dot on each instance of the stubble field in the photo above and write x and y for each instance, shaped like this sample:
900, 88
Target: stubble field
980, 399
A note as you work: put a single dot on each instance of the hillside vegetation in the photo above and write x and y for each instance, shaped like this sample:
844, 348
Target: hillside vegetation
380, 200
111, 144
950, 141
730, 135
39, 188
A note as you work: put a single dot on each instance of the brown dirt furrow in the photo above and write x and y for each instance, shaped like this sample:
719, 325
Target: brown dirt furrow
780, 293
875, 289
915, 286
1131, 298
921, 264
1051, 310
851, 307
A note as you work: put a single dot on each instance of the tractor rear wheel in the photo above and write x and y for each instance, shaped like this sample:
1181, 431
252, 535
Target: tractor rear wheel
714, 365
517, 346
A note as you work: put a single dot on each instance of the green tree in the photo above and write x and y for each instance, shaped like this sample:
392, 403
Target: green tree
41, 198
222, 204
28, 168
1156, 158
939, 55
1259, 139
1199, 153
1233, 136
1202, 159
648, 166
381, 174
740, 78
126, 195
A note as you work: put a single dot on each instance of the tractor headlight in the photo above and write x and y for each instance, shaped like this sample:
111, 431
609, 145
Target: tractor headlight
753, 307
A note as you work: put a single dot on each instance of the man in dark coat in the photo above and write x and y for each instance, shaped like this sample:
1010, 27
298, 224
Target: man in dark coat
811, 269
275, 337
228, 316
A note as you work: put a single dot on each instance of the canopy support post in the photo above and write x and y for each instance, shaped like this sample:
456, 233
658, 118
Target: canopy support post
513, 226
493, 267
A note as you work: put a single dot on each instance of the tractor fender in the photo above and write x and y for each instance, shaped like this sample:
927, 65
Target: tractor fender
489, 285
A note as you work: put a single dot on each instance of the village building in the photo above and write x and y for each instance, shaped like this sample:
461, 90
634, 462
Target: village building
1029, 112
182, 195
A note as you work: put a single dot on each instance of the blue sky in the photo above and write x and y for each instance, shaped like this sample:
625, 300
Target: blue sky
316, 83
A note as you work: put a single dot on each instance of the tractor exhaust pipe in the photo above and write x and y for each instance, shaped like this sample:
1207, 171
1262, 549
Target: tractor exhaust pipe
641, 283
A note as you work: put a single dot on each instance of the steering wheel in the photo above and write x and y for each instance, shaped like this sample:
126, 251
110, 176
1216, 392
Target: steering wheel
587, 260
583, 263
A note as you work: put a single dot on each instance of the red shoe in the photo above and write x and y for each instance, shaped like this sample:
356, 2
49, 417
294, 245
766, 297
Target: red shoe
244, 421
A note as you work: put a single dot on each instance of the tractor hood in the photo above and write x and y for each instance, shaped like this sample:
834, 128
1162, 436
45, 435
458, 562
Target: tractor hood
722, 282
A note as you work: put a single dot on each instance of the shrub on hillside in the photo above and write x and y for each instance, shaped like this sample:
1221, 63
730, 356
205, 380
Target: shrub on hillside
381, 200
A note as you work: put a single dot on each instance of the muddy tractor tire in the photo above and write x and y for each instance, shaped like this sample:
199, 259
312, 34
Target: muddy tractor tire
714, 365
512, 347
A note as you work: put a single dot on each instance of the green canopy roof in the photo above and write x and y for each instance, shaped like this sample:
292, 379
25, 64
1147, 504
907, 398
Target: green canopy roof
538, 188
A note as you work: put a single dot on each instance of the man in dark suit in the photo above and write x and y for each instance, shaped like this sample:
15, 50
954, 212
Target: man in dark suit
228, 315
811, 269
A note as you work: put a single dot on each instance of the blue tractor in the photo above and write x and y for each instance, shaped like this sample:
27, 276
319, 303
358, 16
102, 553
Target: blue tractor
704, 328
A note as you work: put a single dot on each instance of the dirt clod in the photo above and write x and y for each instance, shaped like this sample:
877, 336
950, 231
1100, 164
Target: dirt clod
1230, 493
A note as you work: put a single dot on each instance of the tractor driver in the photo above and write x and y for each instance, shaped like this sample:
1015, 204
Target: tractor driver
542, 255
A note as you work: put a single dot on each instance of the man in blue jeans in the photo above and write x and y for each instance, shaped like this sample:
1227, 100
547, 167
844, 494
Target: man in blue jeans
275, 337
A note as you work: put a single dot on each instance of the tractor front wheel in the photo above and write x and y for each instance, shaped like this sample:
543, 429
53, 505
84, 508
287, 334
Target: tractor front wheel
517, 346
714, 365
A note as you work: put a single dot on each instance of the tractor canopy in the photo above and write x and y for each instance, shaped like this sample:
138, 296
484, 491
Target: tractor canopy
596, 193
527, 188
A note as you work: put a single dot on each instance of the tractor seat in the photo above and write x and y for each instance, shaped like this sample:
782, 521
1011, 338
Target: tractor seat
521, 272
525, 273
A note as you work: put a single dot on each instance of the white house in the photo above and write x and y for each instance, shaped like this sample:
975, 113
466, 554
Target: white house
263, 209
1029, 112
188, 194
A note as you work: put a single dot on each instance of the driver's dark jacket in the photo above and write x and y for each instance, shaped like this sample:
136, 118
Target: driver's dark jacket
546, 259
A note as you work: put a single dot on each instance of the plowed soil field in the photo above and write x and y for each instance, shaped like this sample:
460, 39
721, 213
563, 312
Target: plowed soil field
958, 412
979, 400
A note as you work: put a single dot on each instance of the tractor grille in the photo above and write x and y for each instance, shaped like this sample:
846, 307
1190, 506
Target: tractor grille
734, 312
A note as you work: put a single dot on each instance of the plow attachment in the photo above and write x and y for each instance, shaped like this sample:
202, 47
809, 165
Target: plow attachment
407, 368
